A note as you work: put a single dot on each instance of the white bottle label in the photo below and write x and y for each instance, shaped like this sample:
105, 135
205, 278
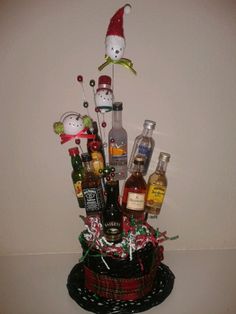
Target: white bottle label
93, 198
136, 201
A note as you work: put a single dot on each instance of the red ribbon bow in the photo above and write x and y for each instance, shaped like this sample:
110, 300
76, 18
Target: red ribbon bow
67, 137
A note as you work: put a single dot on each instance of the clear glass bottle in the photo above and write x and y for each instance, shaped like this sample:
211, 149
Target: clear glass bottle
92, 188
157, 185
112, 218
133, 200
143, 145
77, 174
117, 138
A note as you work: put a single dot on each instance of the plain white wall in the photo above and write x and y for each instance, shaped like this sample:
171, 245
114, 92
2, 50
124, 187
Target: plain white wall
184, 52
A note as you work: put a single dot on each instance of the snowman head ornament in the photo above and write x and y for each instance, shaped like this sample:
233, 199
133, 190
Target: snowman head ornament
115, 40
72, 123
104, 94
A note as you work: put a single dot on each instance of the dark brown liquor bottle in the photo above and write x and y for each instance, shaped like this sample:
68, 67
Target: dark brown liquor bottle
133, 200
92, 188
77, 174
112, 215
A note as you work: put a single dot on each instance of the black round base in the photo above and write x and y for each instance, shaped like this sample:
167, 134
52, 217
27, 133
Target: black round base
163, 286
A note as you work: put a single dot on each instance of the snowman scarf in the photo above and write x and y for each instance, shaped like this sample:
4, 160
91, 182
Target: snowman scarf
82, 134
123, 61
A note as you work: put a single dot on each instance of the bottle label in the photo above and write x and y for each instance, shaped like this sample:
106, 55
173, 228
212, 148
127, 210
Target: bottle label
118, 151
78, 189
155, 195
93, 198
135, 201
98, 163
144, 150
112, 226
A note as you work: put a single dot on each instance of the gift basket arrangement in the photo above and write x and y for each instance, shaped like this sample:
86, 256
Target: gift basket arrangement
121, 269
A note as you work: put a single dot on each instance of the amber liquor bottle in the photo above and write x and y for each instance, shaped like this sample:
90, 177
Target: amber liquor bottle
77, 174
133, 200
112, 215
92, 188
157, 185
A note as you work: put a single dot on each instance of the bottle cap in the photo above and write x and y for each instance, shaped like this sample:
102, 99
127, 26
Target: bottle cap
73, 151
164, 156
149, 124
86, 157
117, 106
139, 160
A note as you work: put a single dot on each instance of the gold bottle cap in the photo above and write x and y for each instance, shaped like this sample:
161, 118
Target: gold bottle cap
139, 160
164, 156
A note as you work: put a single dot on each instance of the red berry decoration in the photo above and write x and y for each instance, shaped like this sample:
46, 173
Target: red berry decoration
97, 109
92, 83
104, 124
95, 146
112, 140
85, 104
108, 178
80, 78
77, 141
113, 174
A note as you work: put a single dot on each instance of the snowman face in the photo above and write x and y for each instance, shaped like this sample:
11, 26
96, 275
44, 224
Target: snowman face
115, 46
73, 124
103, 99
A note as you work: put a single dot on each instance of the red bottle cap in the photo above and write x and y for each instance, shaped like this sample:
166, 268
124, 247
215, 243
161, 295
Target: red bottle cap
73, 151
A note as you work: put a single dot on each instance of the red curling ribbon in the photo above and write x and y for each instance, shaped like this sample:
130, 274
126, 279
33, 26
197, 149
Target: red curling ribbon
67, 137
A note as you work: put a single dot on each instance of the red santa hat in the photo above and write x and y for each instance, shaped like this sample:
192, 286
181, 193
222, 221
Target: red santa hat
116, 23
104, 82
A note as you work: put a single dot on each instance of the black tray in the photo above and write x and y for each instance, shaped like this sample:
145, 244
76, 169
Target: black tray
163, 285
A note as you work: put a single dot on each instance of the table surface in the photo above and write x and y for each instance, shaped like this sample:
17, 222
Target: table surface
36, 284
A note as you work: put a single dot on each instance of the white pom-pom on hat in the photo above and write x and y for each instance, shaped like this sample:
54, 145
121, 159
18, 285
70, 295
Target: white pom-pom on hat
127, 8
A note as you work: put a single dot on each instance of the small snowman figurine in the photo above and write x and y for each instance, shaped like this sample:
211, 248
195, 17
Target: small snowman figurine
115, 40
104, 94
72, 123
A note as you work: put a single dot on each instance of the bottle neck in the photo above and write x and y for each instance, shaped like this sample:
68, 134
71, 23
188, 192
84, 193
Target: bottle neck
117, 119
147, 132
112, 189
137, 169
88, 166
161, 166
76, 162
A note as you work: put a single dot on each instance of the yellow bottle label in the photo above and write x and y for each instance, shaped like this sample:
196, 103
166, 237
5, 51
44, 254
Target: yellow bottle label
78, 189
155, 194
98, 163
136, 201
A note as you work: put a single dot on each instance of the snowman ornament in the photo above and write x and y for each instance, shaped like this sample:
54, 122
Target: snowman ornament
104, 94
72, 123
115, 41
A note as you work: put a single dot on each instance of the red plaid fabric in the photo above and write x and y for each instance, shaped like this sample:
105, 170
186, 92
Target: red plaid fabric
119, 288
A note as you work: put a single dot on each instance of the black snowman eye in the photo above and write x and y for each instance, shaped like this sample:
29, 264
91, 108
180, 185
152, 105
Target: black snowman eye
112, 48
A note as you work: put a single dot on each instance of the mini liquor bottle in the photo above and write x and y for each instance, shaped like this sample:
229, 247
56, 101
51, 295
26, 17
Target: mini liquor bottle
143, 146
118, 143
77, 174
92, 188
96, 143
133, 200
112, 215
157, 185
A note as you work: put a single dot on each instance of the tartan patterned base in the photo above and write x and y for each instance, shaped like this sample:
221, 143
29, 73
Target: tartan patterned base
128, 289
163, 285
